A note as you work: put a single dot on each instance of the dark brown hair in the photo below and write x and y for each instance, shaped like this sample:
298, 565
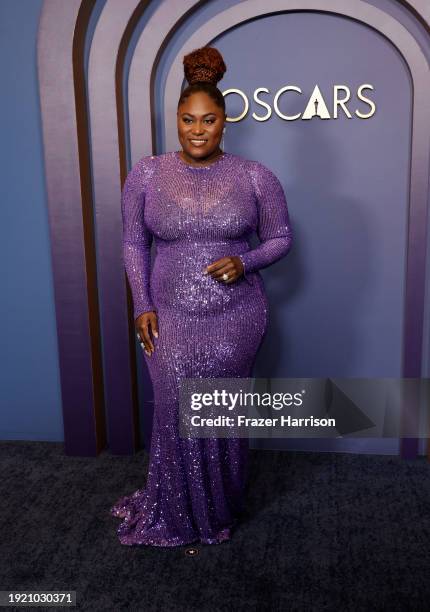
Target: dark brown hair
203, 68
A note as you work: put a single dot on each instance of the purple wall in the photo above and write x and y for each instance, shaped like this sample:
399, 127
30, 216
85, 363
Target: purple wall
338, 301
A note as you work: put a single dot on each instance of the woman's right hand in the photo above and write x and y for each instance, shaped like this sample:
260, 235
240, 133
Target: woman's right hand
144, 323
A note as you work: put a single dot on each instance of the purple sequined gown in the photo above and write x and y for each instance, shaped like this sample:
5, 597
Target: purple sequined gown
207, 329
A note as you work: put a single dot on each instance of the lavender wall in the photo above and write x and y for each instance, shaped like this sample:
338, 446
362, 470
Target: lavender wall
338, 299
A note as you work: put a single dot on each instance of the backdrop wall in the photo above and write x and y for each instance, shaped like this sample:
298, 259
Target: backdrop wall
338, 300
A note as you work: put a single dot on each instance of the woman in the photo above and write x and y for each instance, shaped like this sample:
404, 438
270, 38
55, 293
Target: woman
203, 311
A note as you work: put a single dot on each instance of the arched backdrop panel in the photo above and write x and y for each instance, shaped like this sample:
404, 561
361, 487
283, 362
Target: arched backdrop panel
103, 125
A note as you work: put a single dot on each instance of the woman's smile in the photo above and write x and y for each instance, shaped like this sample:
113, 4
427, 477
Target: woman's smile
198, 142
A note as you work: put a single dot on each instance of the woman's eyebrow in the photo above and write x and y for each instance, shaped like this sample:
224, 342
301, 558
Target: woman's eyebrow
191, 115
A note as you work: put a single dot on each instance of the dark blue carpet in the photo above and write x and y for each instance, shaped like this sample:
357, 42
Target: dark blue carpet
332, 532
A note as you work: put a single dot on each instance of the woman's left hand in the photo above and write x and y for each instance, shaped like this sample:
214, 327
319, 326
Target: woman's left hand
232, 266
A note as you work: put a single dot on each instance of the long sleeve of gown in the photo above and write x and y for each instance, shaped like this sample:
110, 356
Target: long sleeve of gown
274, 229
137, 239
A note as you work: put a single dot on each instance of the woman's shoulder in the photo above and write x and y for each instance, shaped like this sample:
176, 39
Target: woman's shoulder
142, 170
260, 175
252, 166
257, 166
148, 164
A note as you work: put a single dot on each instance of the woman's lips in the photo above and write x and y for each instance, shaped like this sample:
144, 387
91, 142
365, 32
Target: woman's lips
198, 142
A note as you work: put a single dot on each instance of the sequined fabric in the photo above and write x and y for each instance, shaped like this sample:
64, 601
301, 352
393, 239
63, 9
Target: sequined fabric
207, 329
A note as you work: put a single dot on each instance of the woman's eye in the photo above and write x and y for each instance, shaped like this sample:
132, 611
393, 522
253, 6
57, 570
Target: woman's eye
186, 120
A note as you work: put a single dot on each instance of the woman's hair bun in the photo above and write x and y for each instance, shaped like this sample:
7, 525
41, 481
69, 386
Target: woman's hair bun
204, 64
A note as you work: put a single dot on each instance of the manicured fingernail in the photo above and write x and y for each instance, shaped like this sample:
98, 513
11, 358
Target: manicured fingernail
205, 271
156, 334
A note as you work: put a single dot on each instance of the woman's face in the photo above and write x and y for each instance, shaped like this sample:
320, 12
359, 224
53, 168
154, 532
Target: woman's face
200, 125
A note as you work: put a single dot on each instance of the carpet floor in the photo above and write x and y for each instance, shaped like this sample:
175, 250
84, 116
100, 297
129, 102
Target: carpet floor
322, 532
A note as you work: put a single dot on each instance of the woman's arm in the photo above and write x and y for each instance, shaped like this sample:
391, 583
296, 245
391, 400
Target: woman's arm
137, 239
274, 229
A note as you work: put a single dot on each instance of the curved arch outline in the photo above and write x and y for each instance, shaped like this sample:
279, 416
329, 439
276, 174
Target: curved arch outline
67, 169
400, 37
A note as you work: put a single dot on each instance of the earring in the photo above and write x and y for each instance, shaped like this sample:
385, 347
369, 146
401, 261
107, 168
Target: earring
222, 140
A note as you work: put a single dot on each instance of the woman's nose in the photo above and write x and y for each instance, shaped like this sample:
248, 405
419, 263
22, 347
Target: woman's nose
198, 129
